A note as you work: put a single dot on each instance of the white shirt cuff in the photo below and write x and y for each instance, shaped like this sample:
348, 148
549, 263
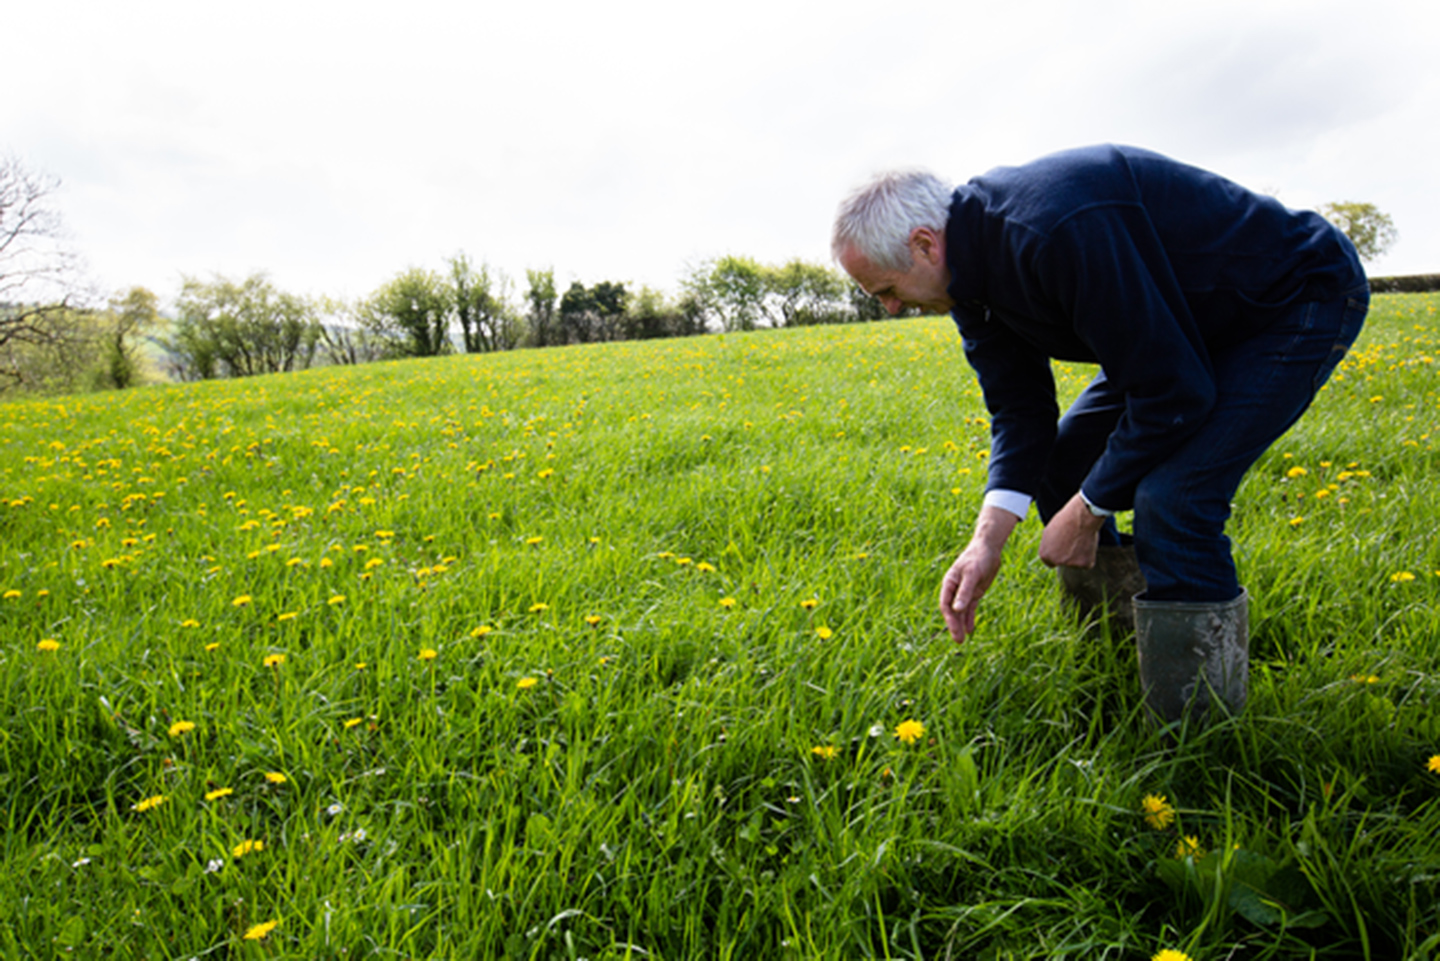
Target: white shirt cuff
1013, 501
1096, 509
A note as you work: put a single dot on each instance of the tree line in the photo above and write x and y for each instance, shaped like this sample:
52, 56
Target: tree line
53, 337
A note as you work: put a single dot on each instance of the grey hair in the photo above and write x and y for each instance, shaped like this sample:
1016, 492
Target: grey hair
878, 217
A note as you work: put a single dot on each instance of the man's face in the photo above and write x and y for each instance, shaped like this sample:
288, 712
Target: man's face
925, 285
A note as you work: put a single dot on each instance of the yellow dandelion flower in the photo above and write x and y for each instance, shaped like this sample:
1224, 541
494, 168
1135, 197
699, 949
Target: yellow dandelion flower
1295, 472
287, 616
213, 646
353, 722
49, 645
246, 847
1158, 812
705, 567
149, 803
10, 595
1434, 765
1170, 954
259, 931
1189, 847
1365, 678
275, 777
727, 602
824, 633
910, 731
218, 793
532, 541
1401, 577
593, 620
1296, 521
482, 630
810, 603
241, 601
539, 608
374, 562
825, 752
326, 562
181, 727
274, 660
190, 622
525, 683
428, 654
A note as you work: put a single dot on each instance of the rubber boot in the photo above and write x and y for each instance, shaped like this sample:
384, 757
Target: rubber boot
1192, 654
1105, 588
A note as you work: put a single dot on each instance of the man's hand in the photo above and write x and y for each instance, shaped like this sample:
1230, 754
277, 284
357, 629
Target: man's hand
1072, 536
974, 571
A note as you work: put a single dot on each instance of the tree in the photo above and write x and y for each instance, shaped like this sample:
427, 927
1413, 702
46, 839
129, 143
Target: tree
344, 338
130, 316
738, 286
1371, 231
540, 306
807, 293
577, 315
609, 299
225, 329
412, 313
37, 272
487, 322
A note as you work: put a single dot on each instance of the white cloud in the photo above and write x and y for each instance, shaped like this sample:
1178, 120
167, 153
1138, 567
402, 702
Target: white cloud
334, 145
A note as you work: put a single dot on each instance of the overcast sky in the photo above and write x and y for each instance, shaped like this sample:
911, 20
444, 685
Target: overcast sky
333, 145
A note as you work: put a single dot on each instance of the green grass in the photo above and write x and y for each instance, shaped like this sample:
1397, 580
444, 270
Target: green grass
662, 582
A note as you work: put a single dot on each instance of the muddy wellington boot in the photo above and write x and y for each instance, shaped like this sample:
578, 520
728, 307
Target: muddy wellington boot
1192, 654
1105, 589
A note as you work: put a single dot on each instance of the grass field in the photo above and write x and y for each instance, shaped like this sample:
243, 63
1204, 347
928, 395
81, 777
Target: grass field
631, 651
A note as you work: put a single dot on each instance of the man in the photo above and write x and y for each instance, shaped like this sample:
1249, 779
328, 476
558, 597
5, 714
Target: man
1214, 315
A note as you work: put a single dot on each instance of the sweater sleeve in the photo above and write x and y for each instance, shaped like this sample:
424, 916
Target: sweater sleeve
1108, 270
1019, 392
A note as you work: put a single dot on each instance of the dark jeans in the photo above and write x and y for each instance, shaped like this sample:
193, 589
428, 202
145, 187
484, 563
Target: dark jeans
1263, 386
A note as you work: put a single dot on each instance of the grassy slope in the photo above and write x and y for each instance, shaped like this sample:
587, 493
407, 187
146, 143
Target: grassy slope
639, 530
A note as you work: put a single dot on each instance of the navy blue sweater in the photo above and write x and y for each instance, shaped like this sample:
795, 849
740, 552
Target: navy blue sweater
1121, 257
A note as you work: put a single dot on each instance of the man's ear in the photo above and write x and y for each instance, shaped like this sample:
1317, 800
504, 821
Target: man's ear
927, 245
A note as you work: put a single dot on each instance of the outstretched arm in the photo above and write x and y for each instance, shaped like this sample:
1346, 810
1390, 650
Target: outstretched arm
974, 571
